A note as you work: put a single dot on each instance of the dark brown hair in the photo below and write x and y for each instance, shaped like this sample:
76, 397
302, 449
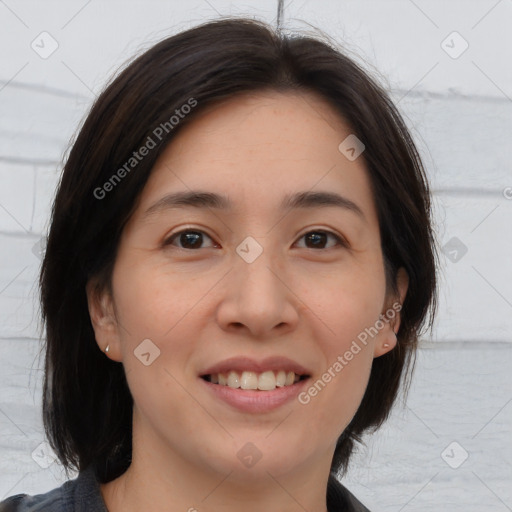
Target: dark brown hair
87, 405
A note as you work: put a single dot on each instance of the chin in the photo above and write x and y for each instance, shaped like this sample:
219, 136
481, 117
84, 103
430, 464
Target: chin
249, 460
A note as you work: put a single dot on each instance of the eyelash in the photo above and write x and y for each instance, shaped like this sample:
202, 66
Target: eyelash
341, 242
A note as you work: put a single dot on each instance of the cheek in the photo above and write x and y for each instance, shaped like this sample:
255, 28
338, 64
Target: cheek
157, 305
336, 394
152, 301
347, 302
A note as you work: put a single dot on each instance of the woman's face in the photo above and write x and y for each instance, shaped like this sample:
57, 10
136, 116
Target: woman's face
263, 283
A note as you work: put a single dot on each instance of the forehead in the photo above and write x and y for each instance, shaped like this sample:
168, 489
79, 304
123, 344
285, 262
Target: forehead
258, 148
274, 120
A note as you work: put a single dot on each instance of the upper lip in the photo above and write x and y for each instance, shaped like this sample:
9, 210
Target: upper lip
240, 364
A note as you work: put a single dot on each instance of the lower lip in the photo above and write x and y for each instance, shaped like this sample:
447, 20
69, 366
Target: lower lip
249, 400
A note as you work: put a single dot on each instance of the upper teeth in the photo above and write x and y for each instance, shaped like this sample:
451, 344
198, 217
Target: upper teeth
265, 381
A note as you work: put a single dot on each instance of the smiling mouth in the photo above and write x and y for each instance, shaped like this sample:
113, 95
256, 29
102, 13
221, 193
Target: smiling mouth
259, 381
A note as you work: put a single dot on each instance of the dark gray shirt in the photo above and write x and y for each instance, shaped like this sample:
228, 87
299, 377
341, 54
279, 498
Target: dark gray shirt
83, 495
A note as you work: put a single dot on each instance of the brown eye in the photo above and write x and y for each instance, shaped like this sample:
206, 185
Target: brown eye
188, 239
319, 239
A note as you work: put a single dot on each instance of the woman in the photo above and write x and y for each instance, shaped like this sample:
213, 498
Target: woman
239, 264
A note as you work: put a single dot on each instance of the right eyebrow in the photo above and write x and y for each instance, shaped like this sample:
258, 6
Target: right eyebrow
194, 198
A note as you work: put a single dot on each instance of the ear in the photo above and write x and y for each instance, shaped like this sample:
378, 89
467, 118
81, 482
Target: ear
103, 319
386, 340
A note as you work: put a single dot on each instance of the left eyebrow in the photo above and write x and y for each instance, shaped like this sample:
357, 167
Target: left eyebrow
320, 199
201, 199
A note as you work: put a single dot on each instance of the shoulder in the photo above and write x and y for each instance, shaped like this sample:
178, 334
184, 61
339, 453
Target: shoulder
54, 500
339, 498
79, 495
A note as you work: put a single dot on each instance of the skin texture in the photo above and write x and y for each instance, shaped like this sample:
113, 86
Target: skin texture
202, 305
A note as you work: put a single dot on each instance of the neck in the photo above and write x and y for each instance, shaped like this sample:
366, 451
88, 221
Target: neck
161, 480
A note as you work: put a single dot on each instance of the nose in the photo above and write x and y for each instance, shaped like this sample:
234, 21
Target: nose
259, 298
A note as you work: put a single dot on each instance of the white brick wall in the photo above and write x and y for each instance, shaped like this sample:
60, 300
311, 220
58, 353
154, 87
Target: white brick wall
460, 112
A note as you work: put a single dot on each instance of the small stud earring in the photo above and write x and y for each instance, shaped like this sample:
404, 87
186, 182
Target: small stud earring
107, 349
386, 345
